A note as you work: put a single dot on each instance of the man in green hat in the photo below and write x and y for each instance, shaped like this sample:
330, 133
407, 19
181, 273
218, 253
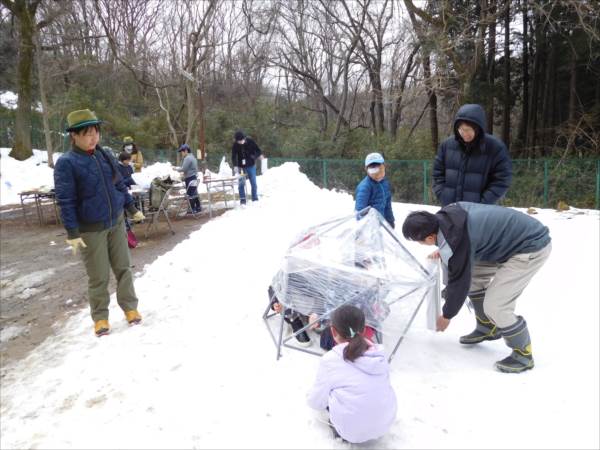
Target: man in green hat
92, 196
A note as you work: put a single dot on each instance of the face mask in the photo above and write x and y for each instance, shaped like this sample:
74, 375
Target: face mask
129, 148
373, 170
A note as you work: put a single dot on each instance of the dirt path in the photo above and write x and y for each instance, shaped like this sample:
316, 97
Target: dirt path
42, 283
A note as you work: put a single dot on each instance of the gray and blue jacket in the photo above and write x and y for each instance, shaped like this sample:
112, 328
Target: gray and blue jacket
477, 232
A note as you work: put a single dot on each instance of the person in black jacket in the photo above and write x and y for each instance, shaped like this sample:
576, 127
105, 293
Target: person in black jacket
471, 166
125, 169
489, 253
244, 154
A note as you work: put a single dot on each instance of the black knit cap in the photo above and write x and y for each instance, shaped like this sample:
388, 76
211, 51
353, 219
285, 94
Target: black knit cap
239, 135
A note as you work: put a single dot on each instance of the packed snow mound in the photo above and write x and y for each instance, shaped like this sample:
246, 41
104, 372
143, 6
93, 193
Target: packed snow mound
18, 176
161, 170
10, 100
201, 365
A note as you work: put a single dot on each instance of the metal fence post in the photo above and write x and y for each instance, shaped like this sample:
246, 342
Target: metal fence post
325, 173
545, 183
598, 184
425, 182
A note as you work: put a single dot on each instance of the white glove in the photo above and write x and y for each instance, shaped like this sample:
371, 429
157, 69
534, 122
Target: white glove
138, 217
75, 244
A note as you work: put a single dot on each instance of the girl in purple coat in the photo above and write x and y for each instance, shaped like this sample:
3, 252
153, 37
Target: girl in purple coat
353, 381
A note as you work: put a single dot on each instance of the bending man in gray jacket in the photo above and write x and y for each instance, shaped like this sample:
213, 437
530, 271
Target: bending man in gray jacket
490, 253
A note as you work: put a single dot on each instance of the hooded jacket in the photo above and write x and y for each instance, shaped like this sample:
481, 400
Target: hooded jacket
245, 155
360, 398
478, 172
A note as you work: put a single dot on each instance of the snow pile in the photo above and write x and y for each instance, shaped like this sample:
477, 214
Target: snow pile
17, 176
159, 169
10, 100
200, 371
8, 333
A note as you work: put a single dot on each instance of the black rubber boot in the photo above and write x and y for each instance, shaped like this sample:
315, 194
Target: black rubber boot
517, 338
485, 330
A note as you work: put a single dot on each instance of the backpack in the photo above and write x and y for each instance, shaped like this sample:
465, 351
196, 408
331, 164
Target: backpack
158, 189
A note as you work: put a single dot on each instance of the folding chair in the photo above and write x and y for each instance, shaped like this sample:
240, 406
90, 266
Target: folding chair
154, 216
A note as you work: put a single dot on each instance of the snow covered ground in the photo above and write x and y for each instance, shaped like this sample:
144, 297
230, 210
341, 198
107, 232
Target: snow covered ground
200, 371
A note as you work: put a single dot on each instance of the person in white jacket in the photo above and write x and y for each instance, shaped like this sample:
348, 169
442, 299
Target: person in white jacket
353, 381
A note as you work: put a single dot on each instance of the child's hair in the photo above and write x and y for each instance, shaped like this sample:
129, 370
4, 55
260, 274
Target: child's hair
124, 156
349, 322
84, 129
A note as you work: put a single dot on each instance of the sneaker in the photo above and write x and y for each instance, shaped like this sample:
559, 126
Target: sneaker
301, 338
101, 328
133, 317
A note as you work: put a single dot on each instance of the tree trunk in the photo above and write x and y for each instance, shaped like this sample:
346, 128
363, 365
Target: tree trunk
540, 49
397, 110
191, 116
378, 94
432, 100
491, 66
523, 132
201, 127
507, 99
45, 105
572, 86
22, 146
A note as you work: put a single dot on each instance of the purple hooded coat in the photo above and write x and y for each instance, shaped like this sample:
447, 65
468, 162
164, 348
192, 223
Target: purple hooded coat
361, 401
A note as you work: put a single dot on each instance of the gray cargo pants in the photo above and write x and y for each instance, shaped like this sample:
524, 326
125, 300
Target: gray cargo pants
503, 283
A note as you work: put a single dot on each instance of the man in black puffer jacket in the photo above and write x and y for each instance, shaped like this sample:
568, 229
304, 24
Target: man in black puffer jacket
244, 154
471, 166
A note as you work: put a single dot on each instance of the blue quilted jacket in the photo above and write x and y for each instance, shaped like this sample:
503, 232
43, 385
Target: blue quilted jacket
377, 195
90, 191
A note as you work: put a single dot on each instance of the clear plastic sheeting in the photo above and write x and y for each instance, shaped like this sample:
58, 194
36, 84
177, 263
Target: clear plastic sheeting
357, 260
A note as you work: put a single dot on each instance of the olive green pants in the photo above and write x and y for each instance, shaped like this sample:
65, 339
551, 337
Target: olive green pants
108, 249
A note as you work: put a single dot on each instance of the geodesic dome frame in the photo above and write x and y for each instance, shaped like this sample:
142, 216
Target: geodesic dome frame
358, 260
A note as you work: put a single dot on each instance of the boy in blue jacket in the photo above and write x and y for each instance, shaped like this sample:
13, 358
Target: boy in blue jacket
91, 195
374, 189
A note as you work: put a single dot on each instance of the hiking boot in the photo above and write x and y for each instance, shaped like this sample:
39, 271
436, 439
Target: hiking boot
481, 333
101, 328
485, 329
133, 317
517, 338
301, 338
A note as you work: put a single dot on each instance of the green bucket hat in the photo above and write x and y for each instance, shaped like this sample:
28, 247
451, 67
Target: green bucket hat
81, 118
127, 140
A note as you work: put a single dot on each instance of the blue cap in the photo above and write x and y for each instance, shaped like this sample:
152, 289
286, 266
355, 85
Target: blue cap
374, 158
184, 147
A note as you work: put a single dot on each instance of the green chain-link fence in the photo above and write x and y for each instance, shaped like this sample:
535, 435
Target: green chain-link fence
536, 182
539, 182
